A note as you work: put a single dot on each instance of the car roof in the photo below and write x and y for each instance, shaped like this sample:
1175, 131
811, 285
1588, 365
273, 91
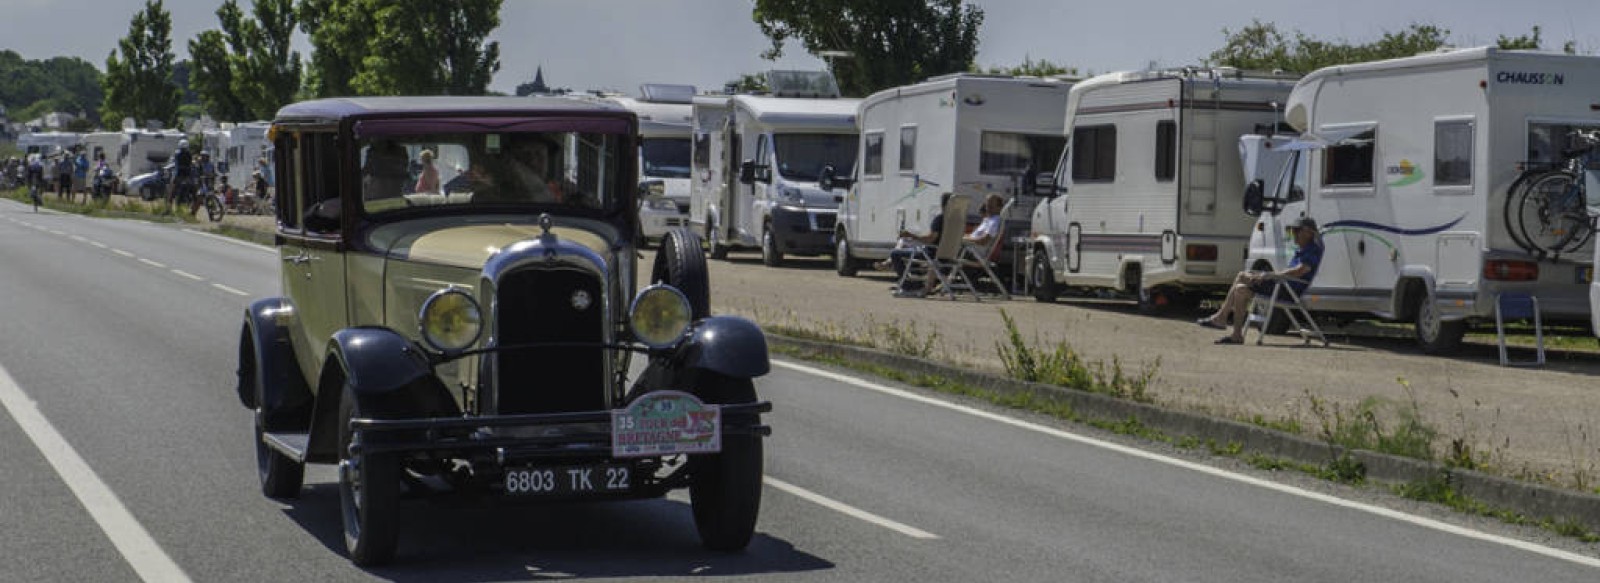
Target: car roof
343, 107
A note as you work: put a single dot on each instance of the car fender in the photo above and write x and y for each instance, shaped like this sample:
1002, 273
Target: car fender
389, 375
276, 372
727, 345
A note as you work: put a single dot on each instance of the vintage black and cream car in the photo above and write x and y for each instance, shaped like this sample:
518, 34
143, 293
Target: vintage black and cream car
459, 315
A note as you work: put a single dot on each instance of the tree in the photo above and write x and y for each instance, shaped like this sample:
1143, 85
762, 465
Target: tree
266, 74
139, 83
1261, 46
893, 42
339, 30
31, 88
211, 77
749, 83
1032, 68
430, 48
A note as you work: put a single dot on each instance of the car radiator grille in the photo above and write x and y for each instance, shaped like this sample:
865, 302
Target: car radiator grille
536, 305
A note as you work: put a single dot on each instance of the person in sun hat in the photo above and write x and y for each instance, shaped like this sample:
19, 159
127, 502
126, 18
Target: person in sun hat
1248, 284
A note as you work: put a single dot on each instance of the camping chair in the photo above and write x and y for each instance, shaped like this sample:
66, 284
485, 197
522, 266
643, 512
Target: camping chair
980, 258
1285, 298
1518, 306
942, 267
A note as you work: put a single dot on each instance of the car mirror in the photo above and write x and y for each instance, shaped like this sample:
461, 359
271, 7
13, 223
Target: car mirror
825, 178
1045, 185
1254, 199
747, 172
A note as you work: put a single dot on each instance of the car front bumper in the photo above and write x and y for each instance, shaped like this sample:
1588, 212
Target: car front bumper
803, 231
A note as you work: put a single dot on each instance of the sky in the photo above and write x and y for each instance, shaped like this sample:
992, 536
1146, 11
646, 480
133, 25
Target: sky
619, 44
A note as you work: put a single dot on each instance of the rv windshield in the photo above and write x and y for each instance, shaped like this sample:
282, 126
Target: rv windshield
532, 169
802, 156
666, 157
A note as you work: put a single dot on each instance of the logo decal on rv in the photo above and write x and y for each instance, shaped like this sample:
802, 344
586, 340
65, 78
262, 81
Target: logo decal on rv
1530, 78
1409, 173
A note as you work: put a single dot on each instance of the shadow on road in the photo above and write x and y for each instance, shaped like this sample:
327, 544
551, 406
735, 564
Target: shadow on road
447, 541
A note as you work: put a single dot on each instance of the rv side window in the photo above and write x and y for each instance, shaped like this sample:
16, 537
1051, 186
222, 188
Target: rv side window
872, 163
908, 149
1094, 153
1008, 154
1350, 162
1452, 153
1166, 149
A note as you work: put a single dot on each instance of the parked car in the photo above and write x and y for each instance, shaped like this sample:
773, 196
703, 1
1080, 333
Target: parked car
478, 341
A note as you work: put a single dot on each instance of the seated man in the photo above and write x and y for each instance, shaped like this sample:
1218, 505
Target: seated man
990, 226
1248, 284
902, 254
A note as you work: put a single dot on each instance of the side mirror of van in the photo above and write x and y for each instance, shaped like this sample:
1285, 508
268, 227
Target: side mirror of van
829, 179
1254, 198
747, 172
1045, 186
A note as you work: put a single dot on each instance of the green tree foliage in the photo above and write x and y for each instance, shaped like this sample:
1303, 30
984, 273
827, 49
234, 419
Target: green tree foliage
266, 74
32, 88
893, 42
139, 83
1261, 46
339, 31
211, 77
749, 83
1031, 68
430, 48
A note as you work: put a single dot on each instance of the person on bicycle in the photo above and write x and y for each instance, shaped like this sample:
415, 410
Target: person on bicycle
183, 171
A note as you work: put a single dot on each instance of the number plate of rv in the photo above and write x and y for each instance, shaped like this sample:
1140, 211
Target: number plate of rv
559, 480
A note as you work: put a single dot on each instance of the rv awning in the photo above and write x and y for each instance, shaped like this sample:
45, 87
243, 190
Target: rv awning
1341, 134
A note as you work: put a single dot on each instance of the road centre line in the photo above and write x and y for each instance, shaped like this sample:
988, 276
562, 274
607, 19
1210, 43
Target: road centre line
152, 263
123, 253
188, 275
130, 538
55, 232
234, 241
79, 238
230, 290
1204, 469
99, 244
847, 509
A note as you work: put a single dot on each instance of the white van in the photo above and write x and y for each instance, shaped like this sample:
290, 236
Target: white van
764, 166
972, 135
1412, 192
664, 114
1148, 185
145, 151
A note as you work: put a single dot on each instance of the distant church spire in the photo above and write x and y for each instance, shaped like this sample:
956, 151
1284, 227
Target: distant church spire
538, 81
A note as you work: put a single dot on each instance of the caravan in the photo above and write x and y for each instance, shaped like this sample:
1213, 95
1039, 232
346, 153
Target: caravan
973, 135
765, 166
145, 151
1147, 189
1418, 197
47, 144
664, 113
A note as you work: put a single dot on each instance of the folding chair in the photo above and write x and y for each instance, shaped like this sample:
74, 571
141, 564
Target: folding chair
980, 258
1518, 306
943, 266
1285, 298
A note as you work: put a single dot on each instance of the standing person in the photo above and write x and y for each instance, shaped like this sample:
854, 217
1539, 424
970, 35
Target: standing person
428, 178
64, 176
103, 175
182, 172
1248, 284
80, 174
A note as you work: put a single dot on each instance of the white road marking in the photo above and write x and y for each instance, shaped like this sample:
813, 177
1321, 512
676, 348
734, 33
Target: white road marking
188, 275
1204, 469
847, 509
232, 240
55, 232
154, 264
230, 290
123, 253
79, 238
98, 244
131, 539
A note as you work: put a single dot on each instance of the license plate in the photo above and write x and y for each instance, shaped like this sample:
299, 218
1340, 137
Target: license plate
565, 480
1586, 274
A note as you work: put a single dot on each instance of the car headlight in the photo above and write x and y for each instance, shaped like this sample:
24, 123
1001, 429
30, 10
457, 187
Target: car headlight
659, 316
450, 320
662, 204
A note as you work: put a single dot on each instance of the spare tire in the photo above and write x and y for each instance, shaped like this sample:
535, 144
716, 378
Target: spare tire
680, 264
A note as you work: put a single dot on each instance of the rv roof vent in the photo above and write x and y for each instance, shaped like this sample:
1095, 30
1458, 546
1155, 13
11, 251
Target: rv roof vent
663, 93
802, 84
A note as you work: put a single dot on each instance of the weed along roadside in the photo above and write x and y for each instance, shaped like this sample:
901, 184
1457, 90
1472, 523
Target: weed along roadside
1471, 454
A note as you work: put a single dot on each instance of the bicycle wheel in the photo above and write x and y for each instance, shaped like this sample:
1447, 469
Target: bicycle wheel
1545, 212
214, 208
1514, 196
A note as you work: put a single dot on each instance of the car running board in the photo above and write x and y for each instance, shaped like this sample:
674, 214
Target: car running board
291, 445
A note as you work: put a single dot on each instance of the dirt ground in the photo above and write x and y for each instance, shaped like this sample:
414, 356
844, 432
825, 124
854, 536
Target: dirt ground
1529, 421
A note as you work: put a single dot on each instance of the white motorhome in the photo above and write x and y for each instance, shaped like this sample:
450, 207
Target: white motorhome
972, 135
47, 144
106, 143
664, 114
145, 151
764, 166
247, 142
1412, 193
1148, 185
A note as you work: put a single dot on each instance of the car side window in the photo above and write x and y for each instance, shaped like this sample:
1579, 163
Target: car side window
289, 186
321, 207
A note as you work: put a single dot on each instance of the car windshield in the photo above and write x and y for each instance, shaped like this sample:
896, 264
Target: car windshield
802, 156
666, 157
528, 169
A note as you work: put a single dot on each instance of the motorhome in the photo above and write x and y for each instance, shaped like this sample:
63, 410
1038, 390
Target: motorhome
764, 166
1412, 193
245, 144
48, 144
972, 135
664, 114
108, 144
1146, 191
145, 151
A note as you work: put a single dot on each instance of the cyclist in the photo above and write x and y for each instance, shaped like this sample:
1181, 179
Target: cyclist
183, 172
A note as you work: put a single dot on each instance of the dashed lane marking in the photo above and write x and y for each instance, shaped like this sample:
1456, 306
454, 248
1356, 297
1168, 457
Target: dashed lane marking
188, 275
154, 264
130, 538
99, 244
123, 253
230, 290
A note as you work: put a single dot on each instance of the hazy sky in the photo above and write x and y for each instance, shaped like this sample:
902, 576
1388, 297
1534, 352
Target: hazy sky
619, 44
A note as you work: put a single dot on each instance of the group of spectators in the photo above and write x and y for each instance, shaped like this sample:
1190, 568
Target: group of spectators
67, 173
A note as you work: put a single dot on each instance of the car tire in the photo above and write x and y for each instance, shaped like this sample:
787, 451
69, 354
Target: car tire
1434, 335
770, 255
843, 263
680, 265
1044, 278
714, 244
725, 488
369, 494
281, 477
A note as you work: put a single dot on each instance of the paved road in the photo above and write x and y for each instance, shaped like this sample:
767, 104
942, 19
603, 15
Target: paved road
119, 341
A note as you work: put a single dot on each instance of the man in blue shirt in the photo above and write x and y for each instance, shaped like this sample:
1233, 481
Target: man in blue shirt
1302, 268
